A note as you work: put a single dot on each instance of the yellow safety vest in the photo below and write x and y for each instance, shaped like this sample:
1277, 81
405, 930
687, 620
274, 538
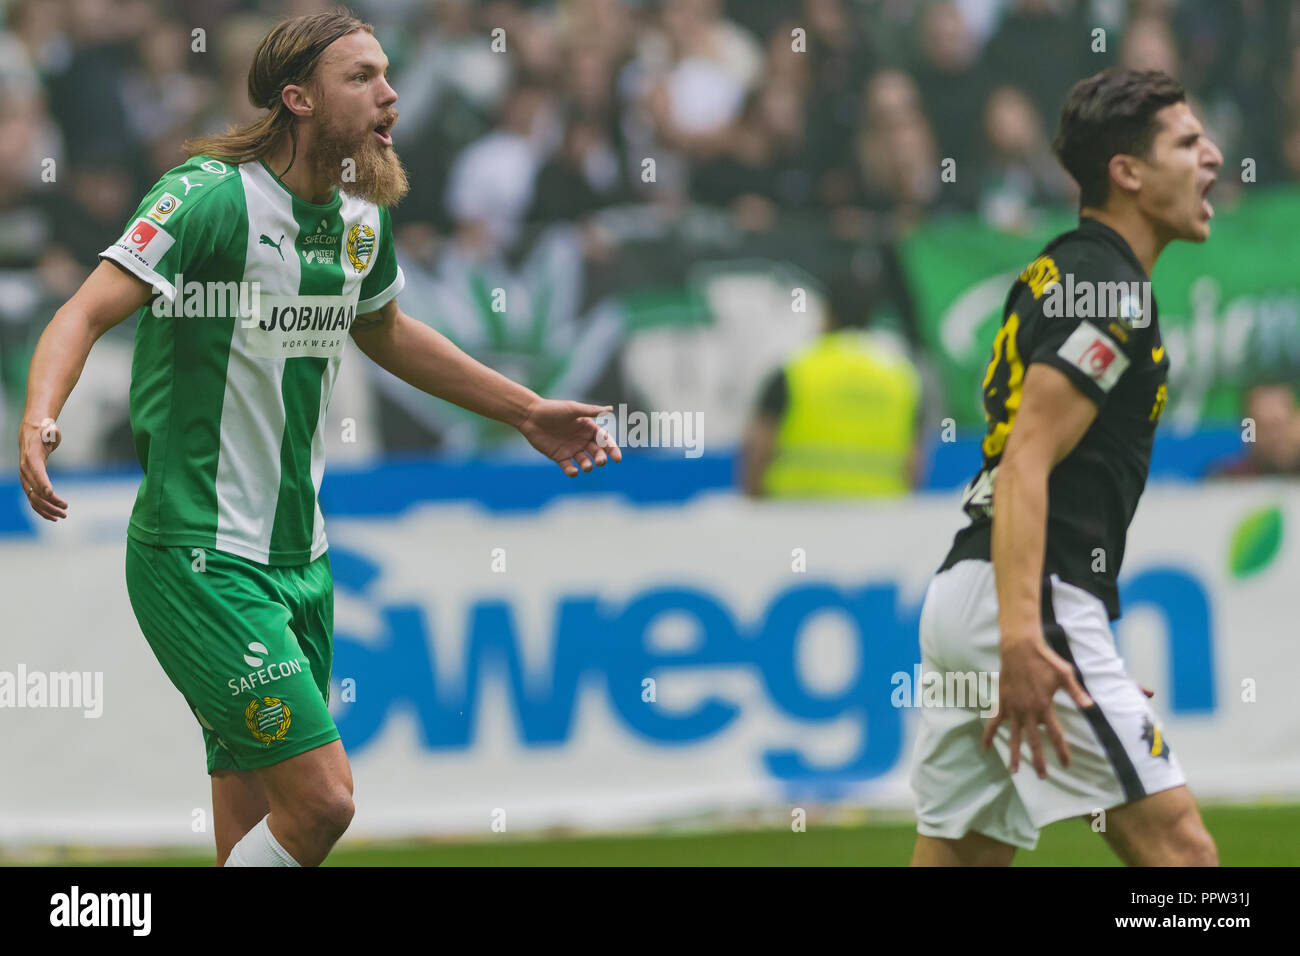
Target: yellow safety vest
850, 420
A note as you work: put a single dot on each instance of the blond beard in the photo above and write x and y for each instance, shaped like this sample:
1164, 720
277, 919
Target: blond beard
374, 174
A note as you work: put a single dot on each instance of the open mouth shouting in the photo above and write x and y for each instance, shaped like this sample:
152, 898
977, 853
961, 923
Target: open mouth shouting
385, 128
1207, 210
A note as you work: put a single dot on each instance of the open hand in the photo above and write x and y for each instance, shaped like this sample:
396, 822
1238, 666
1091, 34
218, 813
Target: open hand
36, 440
566, 432
1031, 674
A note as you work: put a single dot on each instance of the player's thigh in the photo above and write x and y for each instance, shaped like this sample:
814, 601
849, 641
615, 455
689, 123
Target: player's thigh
313, 618
974, 849
221, 629
313, 787
1162, 829
961, 789
238, 803
1117, 749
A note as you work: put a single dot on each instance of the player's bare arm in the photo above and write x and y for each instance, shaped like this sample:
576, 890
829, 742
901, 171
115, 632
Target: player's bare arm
421, 356
1053, 416
107, 297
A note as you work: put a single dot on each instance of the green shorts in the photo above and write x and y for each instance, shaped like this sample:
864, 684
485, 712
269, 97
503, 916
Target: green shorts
248, 646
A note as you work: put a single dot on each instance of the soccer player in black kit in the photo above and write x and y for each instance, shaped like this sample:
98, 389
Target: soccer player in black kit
1072, 395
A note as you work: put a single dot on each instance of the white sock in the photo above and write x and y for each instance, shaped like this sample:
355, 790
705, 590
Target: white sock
260, 848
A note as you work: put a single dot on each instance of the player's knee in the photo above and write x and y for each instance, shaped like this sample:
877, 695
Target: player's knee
1193, 845
1179, 839
338, 811
328, 814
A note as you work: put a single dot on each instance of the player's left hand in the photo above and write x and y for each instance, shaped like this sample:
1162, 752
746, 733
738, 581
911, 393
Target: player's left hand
36, 441
566, 432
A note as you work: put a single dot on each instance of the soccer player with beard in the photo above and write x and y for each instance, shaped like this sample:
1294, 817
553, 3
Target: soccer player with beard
227, 565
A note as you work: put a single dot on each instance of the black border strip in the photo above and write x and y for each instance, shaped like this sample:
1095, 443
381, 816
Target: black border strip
1115, 752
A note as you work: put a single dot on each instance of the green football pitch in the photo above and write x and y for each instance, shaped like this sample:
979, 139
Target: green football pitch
1246, 836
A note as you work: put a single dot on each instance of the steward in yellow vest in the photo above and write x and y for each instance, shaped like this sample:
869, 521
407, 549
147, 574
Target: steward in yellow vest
838, 421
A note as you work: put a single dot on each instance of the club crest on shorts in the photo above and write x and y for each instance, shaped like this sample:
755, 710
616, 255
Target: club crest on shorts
1155, 740
267, 719
360, 246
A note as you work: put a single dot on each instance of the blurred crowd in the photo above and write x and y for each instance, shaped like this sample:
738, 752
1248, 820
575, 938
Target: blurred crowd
518, 114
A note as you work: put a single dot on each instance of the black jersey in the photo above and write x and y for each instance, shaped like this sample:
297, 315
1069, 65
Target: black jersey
1084, 307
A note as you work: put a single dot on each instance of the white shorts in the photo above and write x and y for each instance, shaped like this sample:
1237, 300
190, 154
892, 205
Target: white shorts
1117, 752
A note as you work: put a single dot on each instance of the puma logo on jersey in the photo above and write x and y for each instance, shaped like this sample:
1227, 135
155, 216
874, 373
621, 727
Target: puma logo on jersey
266, 240
189, 185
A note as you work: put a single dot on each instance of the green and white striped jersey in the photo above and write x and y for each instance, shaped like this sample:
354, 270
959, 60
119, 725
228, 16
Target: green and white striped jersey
229, 391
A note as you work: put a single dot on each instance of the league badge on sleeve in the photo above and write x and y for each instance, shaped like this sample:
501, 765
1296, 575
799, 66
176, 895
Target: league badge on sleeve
163, 208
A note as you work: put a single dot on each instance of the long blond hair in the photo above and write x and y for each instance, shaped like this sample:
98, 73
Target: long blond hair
286, 56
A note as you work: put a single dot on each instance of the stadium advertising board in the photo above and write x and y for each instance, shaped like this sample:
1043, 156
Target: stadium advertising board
595, 664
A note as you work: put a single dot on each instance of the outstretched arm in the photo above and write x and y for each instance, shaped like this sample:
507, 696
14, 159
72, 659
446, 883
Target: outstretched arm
107, 297
428, 360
